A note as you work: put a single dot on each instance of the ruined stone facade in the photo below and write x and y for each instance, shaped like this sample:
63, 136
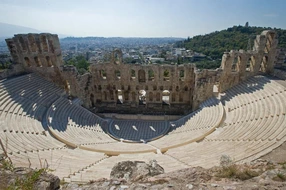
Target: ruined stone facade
119, 87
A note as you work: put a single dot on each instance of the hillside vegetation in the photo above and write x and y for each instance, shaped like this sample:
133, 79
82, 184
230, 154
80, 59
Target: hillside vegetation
234, 38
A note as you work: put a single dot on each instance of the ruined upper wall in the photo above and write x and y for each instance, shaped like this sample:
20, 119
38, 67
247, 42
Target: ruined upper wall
40, 53
35, 50
186, 86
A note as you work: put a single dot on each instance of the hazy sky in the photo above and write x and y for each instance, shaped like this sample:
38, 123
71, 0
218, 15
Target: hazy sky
141, 18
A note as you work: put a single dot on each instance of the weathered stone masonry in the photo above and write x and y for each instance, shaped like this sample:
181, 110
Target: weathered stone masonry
183, 85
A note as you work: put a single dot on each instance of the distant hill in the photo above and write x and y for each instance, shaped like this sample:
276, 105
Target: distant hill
8, 30
236, 37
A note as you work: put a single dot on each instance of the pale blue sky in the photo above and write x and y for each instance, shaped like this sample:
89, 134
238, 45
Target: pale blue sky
141, 18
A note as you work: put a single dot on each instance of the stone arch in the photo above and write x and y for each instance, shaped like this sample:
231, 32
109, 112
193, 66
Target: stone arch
158, 96
250, 64
166, 97
126, 95
32, 43
38, 61
111, 94
102, 74
105, 95
269, 41
132, 74
117, 74
166, 75
151, 96
91, 98
44, 43
151, 75
27, 61
235, 64
50, 64
181, 97
142, 97
263, 65
51, 46
181, 75
117, 56
119, 96
141, 76
22, 42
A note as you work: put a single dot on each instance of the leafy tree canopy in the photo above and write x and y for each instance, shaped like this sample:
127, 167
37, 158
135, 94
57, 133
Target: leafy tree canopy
234, 38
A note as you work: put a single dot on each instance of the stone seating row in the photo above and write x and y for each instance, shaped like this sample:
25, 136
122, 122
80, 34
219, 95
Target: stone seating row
62, 162
137, 130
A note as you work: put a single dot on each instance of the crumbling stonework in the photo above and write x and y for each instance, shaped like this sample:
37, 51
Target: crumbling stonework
39, 53
119, 87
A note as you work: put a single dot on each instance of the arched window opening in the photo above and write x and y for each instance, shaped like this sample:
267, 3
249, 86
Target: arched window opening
142, 97
132, 74
186, 88
117, 57
234, 66
51, 46
111, 94
154, 87
117, 74
263, 64
119, 97
250, 64
50, 64
44, 42
38, 61
269, 41
27, 61
181, 75
181, 97
166, 75
102, 74
158, 96
105, 95
32, 43
126, 95
166, 97
92, 100
141, 75
23, 45
151, 76
151, 96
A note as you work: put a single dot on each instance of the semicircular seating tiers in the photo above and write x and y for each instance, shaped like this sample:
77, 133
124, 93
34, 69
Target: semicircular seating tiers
40, 127
77, 127
255, 125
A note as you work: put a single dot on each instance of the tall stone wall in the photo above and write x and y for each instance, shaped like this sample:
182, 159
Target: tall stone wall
40, 53
119, 87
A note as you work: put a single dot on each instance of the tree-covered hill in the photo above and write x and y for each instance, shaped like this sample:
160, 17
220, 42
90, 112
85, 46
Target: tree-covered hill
237, 37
